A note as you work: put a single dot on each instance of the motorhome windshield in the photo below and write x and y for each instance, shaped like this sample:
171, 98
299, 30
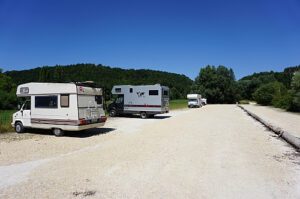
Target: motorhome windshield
166, 93
27, 105
192, 100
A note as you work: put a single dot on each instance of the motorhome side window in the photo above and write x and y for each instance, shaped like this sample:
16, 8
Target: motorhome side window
131, 90
98, 99
166, 93
46, 102
64, 100
153, 92
118, 90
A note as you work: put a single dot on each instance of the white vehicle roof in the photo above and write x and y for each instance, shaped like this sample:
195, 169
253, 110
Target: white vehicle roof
36, 88
193, 96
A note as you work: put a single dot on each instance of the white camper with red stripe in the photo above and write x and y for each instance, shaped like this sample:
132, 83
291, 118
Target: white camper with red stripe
146, 100
59, 107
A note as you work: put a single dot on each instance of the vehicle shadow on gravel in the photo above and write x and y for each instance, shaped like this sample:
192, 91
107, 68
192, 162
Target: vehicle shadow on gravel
158, 117
89, 133
75, 134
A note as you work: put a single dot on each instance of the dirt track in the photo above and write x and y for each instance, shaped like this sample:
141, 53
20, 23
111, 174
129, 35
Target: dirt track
213, 152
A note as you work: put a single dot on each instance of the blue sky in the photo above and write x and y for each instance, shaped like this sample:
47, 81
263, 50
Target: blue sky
177, 36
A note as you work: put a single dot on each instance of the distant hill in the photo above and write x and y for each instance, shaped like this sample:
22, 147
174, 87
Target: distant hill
249, 84
104, 76
284, 77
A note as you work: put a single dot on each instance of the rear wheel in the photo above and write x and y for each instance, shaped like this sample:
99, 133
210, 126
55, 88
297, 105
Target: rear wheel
19, 128
112, 113
144, 115
58, 132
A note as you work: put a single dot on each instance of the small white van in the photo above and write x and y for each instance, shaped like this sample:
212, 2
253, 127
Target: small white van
194, 100
59, 107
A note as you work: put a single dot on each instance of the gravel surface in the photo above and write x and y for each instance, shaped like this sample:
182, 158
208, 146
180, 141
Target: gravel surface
278, 117
212, 152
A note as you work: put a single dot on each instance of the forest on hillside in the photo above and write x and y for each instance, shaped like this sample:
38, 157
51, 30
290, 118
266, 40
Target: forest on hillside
104, 77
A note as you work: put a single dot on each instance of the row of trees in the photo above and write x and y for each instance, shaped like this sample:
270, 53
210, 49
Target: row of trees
217, 84
279, 89
278, 95
104, 76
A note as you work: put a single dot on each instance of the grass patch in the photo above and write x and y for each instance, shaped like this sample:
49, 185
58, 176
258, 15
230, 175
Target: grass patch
5, 120
178, 104
244, 102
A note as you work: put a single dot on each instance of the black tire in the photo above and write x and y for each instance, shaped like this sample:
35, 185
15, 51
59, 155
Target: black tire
112, 113
19, 128
58, 132
143, 115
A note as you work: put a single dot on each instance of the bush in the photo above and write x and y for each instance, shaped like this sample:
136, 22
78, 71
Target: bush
295, 93
273, 93
264, 94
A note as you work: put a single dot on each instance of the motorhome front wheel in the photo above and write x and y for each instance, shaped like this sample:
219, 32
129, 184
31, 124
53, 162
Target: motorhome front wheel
19, 127
58, 132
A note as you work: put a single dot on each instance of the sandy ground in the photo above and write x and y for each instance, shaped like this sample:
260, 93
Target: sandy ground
212, 152
278, 117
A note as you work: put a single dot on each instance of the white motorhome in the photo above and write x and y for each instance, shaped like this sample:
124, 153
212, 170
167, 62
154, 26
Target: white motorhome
194, 100
146, 100
59, 107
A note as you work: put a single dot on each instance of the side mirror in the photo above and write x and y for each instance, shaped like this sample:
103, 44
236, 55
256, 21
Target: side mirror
19, 106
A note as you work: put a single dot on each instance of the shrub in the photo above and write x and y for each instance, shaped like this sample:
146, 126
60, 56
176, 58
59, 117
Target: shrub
273, 93
264, 94
295, 93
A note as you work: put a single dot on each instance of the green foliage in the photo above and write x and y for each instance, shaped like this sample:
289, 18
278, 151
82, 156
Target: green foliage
249, 84
295, 92
8, 98
104, 77
217, 84
274, 93
264, 94
5, 120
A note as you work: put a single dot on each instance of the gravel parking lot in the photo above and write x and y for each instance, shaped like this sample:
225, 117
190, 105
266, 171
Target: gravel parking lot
217, 151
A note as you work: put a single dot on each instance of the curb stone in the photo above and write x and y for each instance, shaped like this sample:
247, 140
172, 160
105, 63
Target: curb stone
288, 137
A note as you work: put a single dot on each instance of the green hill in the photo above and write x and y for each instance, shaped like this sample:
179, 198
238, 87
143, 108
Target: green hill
104, 77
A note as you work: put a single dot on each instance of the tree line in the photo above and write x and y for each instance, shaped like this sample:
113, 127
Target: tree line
104, 77
217, 84
279, 89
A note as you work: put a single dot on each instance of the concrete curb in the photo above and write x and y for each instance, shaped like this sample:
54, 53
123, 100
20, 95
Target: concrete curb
288, 137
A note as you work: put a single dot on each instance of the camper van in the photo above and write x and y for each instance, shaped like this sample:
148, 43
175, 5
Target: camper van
59, 107
146, 100
194, 100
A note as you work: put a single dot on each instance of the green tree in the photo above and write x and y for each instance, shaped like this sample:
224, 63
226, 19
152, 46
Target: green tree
295, 92
217, 84
8, 98
274, 93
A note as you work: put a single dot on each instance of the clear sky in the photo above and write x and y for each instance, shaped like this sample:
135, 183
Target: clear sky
176, 36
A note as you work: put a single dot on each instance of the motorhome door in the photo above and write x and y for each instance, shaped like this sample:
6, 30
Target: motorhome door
120, 103
26, 113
